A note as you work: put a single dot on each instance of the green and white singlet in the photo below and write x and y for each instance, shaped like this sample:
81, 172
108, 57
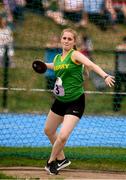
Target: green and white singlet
69, 83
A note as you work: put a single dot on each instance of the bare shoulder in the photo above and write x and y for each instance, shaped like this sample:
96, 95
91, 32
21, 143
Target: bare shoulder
76, 53
79, 57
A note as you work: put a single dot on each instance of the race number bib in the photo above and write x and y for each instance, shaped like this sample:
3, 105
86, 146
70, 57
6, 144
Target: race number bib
58, 88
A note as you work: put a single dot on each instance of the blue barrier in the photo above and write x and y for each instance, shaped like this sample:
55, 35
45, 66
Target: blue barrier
26, 130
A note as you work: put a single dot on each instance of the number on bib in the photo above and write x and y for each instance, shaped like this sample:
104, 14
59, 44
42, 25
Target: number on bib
58, 88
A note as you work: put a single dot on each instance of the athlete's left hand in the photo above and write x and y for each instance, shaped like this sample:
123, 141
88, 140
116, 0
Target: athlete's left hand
110, 80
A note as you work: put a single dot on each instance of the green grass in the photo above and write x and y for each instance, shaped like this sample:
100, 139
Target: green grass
93, 158
3, 176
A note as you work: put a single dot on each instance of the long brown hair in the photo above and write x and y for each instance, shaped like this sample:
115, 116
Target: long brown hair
74, 35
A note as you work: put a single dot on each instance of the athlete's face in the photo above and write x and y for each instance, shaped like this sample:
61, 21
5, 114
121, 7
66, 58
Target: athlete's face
67, 41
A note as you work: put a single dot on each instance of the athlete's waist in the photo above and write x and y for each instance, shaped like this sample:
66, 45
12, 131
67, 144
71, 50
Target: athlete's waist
70, 97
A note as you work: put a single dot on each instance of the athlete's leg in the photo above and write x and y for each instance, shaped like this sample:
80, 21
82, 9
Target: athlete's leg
51, 125
68, 125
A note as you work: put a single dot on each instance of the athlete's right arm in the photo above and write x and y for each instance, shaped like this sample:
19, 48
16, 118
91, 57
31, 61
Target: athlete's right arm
50, 65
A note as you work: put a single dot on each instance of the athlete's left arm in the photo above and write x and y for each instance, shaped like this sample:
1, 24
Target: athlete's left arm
80, 58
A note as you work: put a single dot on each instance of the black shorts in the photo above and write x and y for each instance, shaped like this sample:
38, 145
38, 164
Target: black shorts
75, 107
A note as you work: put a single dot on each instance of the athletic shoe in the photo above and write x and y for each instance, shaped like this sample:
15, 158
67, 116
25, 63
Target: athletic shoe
62, 163
51, 168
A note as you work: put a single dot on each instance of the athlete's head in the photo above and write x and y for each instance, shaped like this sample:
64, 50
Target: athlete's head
68, 39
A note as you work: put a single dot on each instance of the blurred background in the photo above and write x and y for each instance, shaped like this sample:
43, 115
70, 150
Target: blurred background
32, 28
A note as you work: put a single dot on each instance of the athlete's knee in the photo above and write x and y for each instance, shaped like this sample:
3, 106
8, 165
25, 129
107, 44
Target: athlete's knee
47, 131
62, 138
